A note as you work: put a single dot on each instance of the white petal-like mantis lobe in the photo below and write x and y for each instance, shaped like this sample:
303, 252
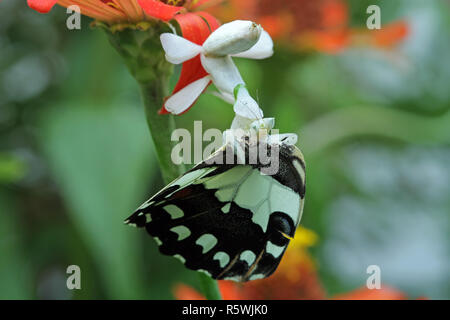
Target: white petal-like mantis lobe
241, 123
225, 96
223, 71
245, 106
178, 49
265, 123
183, 99
261, 50
232, 38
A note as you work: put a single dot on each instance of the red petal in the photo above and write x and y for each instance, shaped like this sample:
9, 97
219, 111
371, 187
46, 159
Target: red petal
334, 14
159, 10
193, 28
385, 293
185, 292
210, 19
391, 34
230, 290
42, 6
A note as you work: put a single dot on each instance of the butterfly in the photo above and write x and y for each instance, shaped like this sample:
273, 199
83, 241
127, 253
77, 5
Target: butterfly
226, 217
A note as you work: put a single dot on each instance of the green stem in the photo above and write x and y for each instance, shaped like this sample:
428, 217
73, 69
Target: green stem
209, 287
141, 50
161, 128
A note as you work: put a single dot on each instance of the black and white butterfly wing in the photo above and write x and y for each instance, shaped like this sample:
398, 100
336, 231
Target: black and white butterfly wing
229, 221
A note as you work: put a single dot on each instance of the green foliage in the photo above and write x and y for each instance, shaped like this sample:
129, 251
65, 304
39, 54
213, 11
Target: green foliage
76, 157
101, 158
12, 168
15, 270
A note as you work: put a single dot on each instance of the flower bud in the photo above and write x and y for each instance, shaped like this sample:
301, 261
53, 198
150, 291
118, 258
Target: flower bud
232, 38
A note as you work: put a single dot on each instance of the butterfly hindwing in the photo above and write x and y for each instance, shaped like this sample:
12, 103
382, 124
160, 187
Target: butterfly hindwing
227, 220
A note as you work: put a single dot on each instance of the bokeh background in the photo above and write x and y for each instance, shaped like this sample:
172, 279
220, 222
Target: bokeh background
370, 109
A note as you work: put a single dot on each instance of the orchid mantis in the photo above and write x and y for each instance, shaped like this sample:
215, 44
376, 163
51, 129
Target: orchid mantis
243, 39
238, 38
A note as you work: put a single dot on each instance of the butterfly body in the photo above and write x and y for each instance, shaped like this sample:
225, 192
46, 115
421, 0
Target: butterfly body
225, 216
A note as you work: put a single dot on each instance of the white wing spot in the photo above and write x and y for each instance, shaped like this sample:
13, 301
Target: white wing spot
274, 250
181, 231
302, 204
223, 258
224, 195
262, 215
207, 242
254, 194
158, 242
263, 195
285, 200
228, 178
204, 271
179, 257
174, 211
191, 177
300, 170
235, 278
226, 208
257, 276
252, 190
248, 256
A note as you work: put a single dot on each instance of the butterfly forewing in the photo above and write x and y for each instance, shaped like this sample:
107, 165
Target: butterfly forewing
230, 220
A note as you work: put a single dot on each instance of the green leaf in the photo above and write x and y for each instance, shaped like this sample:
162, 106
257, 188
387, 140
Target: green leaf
15, 272
12, 168
101, 160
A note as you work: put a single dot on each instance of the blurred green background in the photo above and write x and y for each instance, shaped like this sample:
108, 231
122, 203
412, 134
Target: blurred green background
76, 157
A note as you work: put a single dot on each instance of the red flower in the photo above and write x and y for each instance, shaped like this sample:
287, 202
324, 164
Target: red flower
256, 291
384, 293
321, 25
123, 10
195, 27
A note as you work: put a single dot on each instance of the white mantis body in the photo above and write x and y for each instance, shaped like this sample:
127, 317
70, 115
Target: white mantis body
239, 38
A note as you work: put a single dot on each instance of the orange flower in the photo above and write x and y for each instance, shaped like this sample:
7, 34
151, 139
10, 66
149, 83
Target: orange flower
122, 10
184, 292
195, 27
295, 279
228, 289
385, 293
321, 25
